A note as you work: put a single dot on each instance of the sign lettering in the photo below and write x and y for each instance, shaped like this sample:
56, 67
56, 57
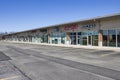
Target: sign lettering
72, 27
89, 26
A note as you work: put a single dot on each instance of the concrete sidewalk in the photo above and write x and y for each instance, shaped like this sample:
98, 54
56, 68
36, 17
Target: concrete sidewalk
117, 49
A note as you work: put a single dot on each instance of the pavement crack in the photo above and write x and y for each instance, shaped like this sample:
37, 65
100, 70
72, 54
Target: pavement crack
77, 65
20, 71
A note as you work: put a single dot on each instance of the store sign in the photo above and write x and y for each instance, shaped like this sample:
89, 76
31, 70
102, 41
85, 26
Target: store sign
56, 29
89, 26
71, 27
43, 30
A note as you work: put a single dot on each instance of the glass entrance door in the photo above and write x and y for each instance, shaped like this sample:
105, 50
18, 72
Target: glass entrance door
89, 40
73, 38
84, 40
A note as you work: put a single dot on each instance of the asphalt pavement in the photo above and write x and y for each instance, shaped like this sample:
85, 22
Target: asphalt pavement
37, 62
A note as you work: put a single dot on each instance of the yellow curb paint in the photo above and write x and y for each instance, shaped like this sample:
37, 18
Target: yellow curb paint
9, 78
107, 54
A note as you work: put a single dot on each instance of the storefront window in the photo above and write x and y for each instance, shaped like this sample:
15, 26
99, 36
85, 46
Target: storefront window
79, 34
84, 40
30, 38
33, 38
42, 38
105, 37
112, 38
84, 33
57, 38
73, 38
95, 38
118, 38
45, 38
109, 38
63, 38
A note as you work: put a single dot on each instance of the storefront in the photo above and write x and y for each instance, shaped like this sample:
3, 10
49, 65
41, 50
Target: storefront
111, 38
101, 31
43, 36
57, 38
89, 38
29, 38
84, 38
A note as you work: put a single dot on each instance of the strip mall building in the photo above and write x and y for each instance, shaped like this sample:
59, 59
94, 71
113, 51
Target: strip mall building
99, 31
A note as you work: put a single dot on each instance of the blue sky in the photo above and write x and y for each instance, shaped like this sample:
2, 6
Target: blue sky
19, 15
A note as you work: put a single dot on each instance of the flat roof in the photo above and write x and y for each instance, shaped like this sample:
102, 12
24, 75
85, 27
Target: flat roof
72, 22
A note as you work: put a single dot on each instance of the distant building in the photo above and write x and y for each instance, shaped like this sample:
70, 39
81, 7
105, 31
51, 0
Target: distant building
99, 31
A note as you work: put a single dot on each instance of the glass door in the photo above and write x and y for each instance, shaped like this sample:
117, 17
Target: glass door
73, 38
90, 33
84, 40
79, 38
89, 40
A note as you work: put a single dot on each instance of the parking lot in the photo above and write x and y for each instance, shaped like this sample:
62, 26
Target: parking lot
80, 53
8, 71
38, 62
